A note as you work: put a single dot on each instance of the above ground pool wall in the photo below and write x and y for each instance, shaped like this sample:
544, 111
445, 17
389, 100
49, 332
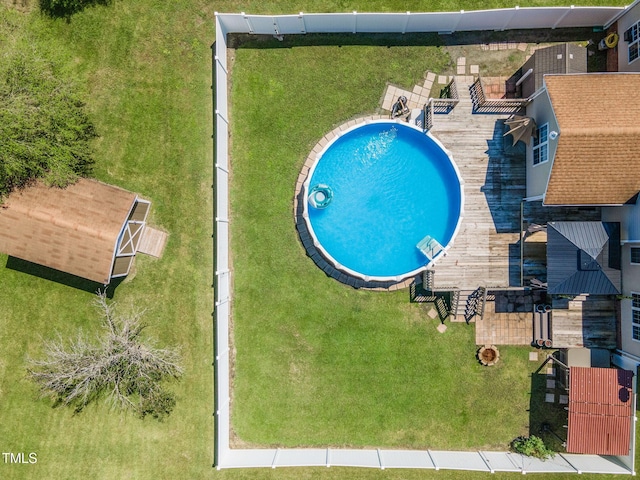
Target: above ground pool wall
347, 270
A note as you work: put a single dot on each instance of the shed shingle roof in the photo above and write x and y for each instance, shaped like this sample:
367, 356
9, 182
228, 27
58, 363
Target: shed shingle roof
600, 411
597, 160
73, 230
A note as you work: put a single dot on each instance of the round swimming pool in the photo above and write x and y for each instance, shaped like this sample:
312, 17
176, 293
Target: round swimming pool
393, 191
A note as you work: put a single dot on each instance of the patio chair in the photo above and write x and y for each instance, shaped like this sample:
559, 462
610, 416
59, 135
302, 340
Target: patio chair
400, 107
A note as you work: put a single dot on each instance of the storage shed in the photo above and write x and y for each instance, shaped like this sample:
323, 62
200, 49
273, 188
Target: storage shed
601, 409
88, 229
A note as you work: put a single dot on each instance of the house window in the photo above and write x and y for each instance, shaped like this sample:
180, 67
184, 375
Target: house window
633, 37
541, 145
635, 255
635, 315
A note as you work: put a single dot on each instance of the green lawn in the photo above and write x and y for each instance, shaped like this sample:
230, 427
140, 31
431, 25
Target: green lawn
146, 70
317, 362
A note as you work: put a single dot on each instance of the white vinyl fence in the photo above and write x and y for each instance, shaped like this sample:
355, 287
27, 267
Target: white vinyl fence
226, 457
410, 22
222, 274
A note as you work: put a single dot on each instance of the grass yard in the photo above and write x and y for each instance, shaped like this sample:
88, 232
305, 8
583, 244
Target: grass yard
145, 68
317, 362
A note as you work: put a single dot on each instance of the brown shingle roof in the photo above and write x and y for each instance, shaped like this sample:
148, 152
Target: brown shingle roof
600, 411
73, 229
597, 160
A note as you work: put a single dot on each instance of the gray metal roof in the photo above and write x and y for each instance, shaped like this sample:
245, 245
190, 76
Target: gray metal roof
562, 58
583, 257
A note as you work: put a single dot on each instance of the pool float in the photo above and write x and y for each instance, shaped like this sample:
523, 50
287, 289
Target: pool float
320, 196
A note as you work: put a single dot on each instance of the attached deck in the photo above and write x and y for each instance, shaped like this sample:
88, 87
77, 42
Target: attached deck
585, 321
485, 251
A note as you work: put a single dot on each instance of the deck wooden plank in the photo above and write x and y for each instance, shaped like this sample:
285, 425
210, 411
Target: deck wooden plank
584, 322
494, 184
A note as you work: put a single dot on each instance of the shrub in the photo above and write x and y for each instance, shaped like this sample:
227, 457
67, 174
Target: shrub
532, 447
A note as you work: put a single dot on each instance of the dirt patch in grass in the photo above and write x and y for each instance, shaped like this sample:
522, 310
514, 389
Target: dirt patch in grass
502, 53
20, 5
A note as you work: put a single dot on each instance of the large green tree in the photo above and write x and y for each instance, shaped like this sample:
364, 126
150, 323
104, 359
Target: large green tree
44, 129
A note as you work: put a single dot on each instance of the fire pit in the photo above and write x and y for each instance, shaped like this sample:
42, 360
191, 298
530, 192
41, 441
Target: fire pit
488, 355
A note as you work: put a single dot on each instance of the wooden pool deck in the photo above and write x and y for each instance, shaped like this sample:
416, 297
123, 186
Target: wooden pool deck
486, 249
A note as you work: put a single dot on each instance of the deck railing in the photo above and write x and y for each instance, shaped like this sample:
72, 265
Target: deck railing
448, 99
481, 104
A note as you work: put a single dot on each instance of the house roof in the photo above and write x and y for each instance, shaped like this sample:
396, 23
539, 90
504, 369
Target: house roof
597, 159
600, 411
74, 229
583, 257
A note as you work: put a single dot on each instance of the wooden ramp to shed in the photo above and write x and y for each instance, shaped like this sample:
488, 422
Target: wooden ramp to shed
152, 242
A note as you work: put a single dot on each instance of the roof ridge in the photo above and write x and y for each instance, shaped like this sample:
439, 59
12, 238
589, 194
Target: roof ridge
50, 219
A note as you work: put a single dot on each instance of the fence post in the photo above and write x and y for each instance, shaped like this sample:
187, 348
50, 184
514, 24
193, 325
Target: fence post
406, 22
562, 17
355, 22
303, 26
246, 19
506, 25
455, 27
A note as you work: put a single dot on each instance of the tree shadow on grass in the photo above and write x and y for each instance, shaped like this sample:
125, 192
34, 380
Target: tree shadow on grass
67, 8
63, 278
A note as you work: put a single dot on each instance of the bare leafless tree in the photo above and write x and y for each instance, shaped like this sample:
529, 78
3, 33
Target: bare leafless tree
120, 365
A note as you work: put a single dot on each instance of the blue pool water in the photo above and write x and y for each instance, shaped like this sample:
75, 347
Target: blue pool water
392, 185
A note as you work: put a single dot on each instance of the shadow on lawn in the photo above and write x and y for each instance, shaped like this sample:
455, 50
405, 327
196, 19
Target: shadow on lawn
547, 420
432, 39
67, 8
245, 40
57, 276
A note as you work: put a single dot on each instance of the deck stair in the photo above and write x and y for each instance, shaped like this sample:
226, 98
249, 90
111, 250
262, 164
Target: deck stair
455, 301
441, 307
462, 305
482, 301
482, 104
468, 305
428, 280
477, 93
418, 293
